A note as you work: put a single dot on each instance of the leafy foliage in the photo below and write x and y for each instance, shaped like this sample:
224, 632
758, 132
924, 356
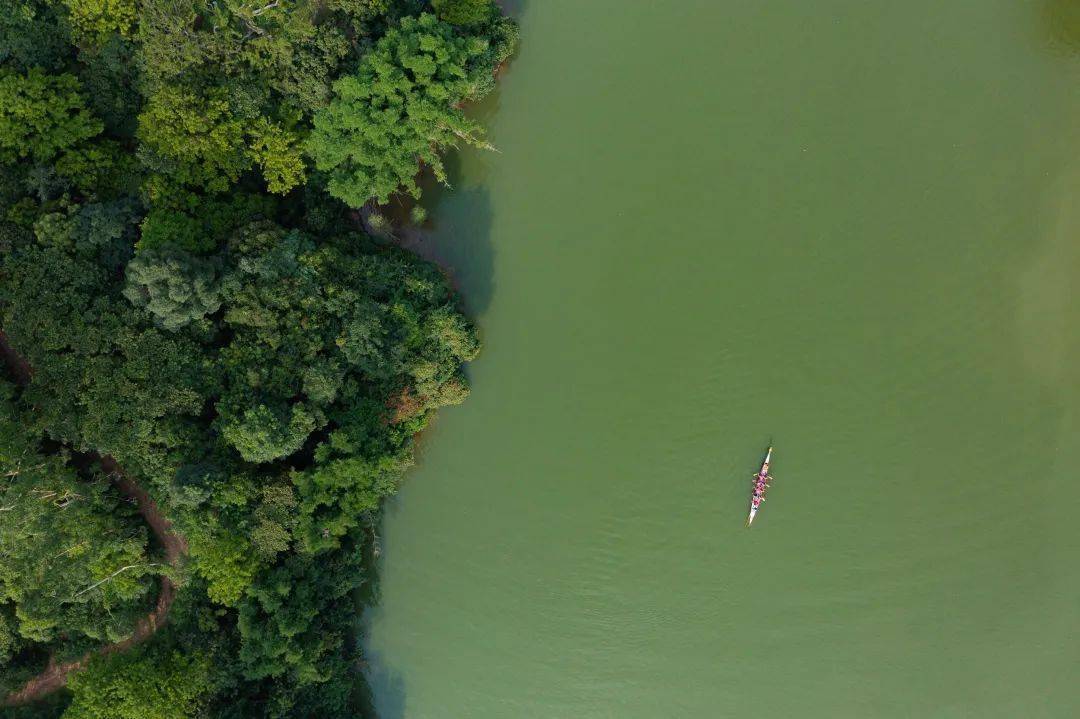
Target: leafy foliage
277, 153
109, 80
291, 618
175, 287
32, 35
105, 379
402, 106
97, 19
42, 115
195, 138
190, 298
464, 12
200, 224
341, 321
75, 563
152, 685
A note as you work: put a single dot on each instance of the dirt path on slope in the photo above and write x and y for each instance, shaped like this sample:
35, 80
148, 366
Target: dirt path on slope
55, 675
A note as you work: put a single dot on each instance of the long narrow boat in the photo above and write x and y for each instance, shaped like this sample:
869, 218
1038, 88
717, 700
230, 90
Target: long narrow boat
761, 483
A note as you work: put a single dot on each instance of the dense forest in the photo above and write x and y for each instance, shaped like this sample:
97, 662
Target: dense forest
212, 374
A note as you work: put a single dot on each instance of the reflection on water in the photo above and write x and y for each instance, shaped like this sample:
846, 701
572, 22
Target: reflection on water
1062, 21
388, 689
1048, 301
847, 225
457, 235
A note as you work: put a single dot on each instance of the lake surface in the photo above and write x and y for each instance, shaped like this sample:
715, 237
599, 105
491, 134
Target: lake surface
848, 227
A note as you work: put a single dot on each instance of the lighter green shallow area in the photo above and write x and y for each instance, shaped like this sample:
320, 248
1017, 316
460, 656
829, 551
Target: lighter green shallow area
851, 227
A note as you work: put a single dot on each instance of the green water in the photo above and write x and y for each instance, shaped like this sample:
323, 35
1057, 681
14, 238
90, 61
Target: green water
851, 227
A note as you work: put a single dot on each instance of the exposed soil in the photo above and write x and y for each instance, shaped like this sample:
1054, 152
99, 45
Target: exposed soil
55, 675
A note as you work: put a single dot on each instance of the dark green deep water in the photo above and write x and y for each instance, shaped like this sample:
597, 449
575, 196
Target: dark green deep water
849, 226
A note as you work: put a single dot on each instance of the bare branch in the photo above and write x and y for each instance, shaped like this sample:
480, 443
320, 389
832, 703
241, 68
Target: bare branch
72, 548
261, 10
108, 578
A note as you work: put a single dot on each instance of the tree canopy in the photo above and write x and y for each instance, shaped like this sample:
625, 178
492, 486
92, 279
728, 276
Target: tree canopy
42, 115
76, 569
190, 298
464, 12
403, 105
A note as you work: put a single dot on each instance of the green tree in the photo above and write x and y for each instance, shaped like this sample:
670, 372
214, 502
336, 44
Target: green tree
109, 78
226, 560
97, 19
278, 154
400, 108
362, 9
192, 302
263, 434
166, 229
42, 115
296, 616
151, 684
464, 12
176, 287
105, 379
194, 139
199, 140
32, 35
316, 326
75, 564
276, 519
335, 495
169, 47
200, 224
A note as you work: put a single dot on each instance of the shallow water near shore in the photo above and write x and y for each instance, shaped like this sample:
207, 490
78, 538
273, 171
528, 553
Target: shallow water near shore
849, 228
